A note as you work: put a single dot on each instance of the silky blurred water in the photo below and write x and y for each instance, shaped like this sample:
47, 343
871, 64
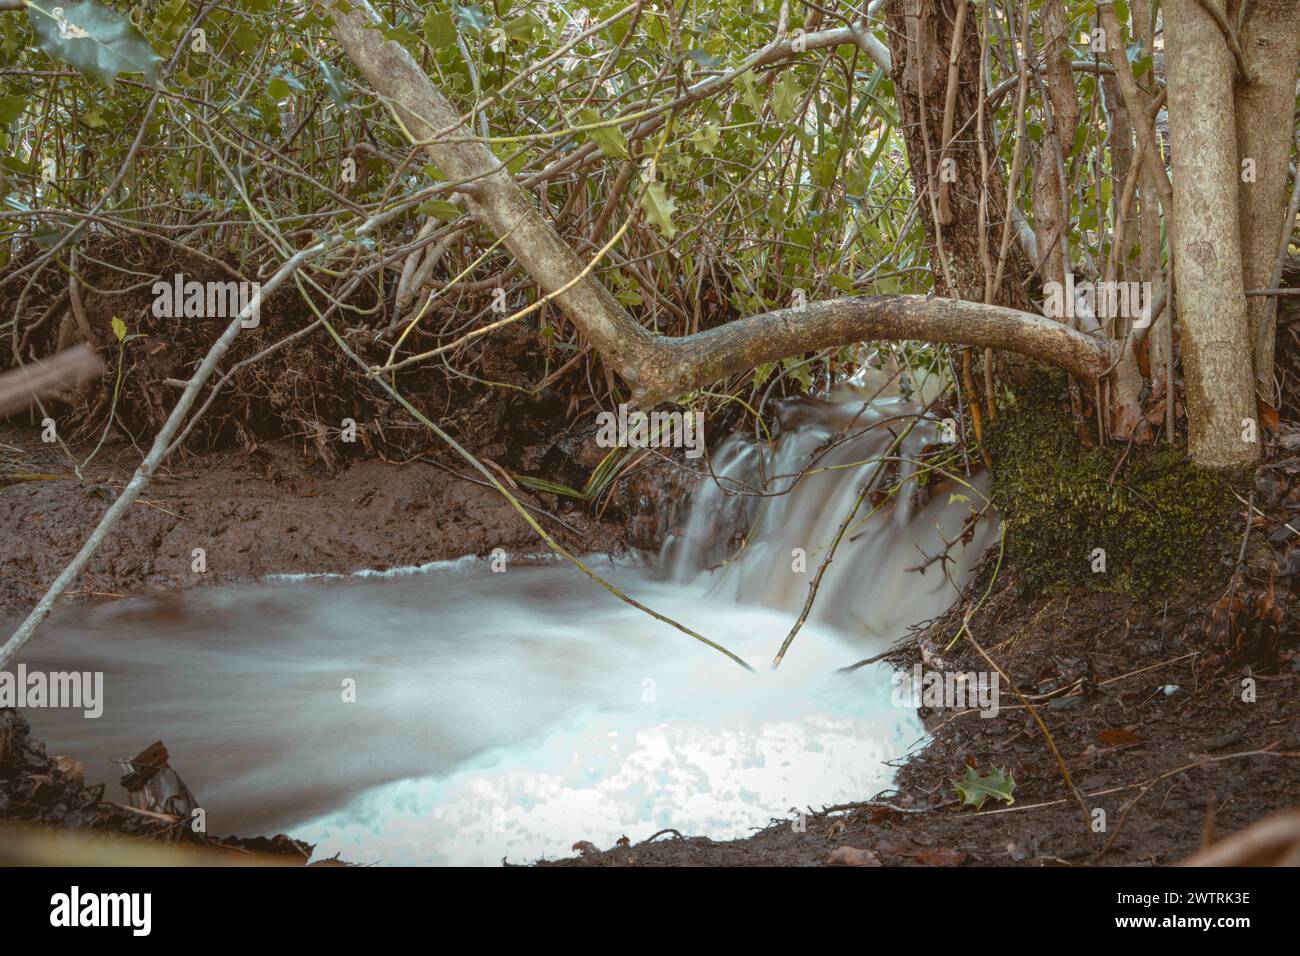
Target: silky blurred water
508, 715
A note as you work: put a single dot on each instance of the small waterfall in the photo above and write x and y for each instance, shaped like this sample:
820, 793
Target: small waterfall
763, 500
508, 715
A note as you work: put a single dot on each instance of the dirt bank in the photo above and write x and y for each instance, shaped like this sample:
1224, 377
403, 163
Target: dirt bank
269, 510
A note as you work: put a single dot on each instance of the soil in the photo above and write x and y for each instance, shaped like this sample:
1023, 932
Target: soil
37, 788
268, 510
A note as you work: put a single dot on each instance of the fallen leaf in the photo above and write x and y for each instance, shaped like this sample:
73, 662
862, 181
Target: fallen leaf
1119, 737
852, 856
1268, 415
974, 789
925, 855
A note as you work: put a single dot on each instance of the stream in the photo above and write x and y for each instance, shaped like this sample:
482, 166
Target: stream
508, 715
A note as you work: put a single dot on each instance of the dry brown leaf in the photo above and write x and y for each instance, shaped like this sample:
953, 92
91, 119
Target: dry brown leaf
926, 855
1119, 737
852, 856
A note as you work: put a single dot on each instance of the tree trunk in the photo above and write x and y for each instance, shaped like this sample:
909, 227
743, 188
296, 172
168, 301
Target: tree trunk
1206, 239
1265, 132
920, 43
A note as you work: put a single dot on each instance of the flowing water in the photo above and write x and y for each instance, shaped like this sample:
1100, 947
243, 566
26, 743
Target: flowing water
506, 715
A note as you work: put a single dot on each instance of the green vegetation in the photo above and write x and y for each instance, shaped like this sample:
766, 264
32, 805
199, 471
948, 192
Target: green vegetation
1157, 517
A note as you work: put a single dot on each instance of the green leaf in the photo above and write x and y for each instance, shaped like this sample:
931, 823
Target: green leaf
246, 37
705, 139
280, 72
171, 20
659, 208
974, 789
439, 30
749, 93
523, 28
400, 34
705, 59
119, 328
277, 89
825, 167
785, 98
97, 41
471, 18
439, 209
11, 107
610, 139
335, 85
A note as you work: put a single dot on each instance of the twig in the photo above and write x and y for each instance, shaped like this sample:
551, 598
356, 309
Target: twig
1230, 36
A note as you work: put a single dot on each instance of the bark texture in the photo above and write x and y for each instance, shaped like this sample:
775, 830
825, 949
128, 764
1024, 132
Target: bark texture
920, 44
1271, 44
1205, 237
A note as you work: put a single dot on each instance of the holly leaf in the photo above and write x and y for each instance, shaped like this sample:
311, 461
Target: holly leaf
524, 28
471, 18
749, 92
97, 41
171, 20
705, 139
785, 98
439, 29
610, 139
659, 208
11, 107
335, 84
974, 789
277, 89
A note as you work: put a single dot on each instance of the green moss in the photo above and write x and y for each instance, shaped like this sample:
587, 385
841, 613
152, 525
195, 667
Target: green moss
1162, 520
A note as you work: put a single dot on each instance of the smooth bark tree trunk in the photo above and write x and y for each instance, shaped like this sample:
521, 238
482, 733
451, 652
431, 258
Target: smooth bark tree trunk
1206, 240
1265, 133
